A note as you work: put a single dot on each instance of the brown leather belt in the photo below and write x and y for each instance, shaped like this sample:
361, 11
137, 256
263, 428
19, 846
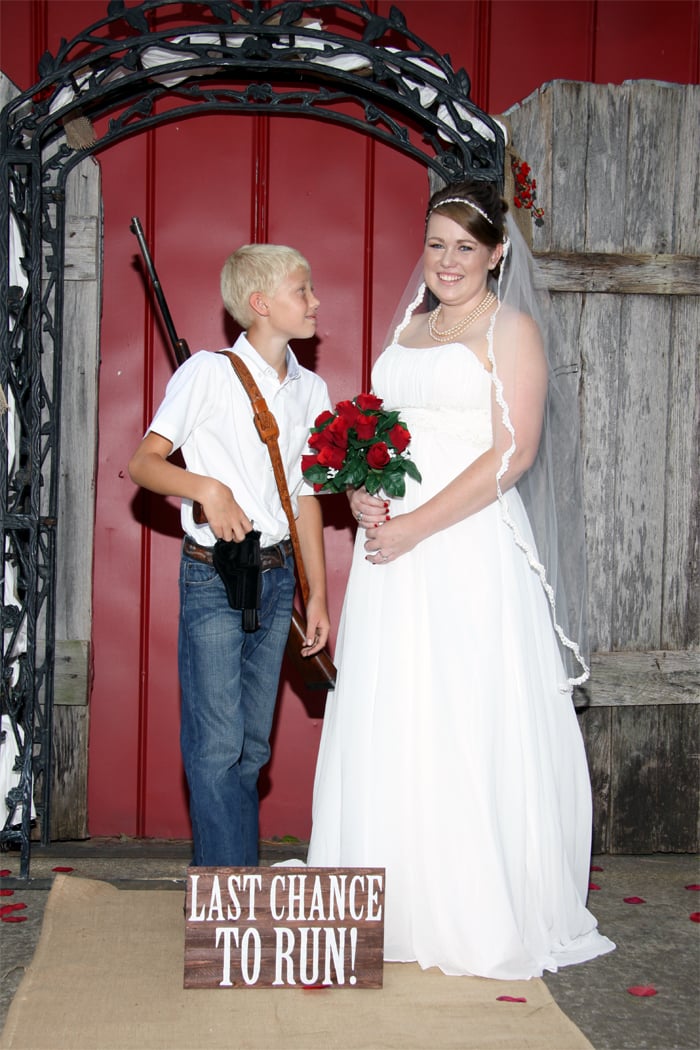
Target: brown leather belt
270, 557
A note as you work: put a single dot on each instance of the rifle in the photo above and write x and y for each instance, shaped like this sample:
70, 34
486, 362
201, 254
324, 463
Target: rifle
180, 347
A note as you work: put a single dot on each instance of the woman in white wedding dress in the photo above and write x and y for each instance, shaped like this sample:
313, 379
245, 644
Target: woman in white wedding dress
451, 754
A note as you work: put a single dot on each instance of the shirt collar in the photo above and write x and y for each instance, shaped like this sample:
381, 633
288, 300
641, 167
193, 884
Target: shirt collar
245, 348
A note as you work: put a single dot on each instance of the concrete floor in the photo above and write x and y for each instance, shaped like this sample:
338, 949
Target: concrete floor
658, 944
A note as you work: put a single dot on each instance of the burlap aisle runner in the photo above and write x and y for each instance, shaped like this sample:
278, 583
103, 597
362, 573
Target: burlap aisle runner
108, 972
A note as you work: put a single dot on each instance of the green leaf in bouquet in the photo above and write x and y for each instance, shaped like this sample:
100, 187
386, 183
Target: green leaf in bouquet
316, 474
394, 486
412, 470
354, 474
374, 482
389, 420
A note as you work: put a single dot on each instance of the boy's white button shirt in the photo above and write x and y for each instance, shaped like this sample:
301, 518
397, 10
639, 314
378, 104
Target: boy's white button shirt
207, 413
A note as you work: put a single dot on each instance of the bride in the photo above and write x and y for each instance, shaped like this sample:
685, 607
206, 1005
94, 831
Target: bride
450, 754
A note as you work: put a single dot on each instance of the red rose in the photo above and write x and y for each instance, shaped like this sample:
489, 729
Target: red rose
318, 440
400, 437
378, 456
332, 457
365, 427
307, 462
347, 410
337, 433
320, 420
368, 402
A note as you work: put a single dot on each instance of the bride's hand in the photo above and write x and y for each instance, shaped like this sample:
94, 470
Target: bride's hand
389, 541
368, 511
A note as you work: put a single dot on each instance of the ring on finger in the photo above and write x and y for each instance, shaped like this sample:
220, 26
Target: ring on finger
359, 515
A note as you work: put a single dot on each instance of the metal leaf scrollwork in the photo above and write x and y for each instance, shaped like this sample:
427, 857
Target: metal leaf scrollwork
333, 59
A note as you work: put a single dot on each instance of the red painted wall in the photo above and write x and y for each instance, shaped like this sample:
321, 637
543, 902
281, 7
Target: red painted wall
202, 187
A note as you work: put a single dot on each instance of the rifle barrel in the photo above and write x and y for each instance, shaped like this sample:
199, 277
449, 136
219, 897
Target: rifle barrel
180, 347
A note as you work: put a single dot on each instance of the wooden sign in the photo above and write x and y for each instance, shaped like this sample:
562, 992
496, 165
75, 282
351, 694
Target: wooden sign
284, 927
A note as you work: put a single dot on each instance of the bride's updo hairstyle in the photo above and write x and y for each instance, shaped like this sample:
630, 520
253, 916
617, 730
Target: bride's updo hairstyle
477, 207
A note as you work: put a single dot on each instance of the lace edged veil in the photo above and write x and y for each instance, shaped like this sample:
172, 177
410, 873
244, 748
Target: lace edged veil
551, 489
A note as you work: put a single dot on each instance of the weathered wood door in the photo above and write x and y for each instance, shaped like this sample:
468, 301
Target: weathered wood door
619, 176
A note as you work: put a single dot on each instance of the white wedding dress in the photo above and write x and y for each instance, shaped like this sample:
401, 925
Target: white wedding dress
450, 754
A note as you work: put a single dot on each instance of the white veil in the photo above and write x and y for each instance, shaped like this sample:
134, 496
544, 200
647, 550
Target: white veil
552, 488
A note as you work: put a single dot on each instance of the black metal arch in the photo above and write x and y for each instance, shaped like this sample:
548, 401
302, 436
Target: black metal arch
289, 62
133, 70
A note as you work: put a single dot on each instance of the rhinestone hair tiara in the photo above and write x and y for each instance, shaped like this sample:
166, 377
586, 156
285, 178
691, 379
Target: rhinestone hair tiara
462, 200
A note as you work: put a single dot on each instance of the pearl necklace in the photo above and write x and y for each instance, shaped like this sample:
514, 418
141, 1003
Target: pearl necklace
449, 333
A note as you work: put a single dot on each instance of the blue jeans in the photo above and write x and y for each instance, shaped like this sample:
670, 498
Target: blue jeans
229, 681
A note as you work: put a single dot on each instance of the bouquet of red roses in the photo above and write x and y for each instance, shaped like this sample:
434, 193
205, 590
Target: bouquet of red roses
359, 444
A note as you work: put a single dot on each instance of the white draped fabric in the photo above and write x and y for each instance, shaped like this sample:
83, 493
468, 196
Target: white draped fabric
450, 754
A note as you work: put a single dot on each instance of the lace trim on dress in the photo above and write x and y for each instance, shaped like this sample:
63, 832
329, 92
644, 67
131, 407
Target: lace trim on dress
524, 546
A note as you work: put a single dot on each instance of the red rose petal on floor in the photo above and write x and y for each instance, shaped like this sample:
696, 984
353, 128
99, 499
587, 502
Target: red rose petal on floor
13, 918
642, 990
510, 999
695, 916
5, 871
593, 886
6, 893
7, 908
692, 886
63, 869
595, 867
634, 900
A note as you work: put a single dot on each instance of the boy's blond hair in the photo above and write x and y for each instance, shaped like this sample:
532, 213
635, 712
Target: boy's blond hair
256, 268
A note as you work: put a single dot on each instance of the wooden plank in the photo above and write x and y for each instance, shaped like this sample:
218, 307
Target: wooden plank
634, 679
642, 274
653, 145
654, 796
633, 767
71, 672
69, 773
284, 927
680, 625
687, 185
599, 336
76, 503
82, 247
79, 405
568, 148
606, 168
595, 723
531, 126
640, 461
678, 783
641, 730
